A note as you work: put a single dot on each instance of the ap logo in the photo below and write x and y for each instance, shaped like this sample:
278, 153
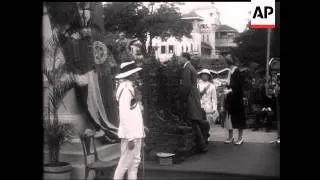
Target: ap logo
263, 14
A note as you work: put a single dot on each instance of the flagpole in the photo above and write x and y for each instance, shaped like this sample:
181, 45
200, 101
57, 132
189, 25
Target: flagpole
268, 57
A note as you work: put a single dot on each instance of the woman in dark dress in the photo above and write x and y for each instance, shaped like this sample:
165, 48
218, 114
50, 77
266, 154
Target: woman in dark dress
235, 102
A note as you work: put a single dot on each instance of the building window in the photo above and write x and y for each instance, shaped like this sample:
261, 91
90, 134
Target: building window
181, 48
186, 48
170, 49
204, 26
202, 37
223, 35
163, 49
207, 37
191, 48
156, 48
211, 14
231, 35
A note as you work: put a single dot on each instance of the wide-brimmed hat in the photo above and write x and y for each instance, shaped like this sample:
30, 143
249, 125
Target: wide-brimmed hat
213, 73
205, 71
127, 69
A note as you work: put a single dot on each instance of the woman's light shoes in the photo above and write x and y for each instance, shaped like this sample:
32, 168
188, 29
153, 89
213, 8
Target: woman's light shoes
275, 141
229, 140
239, 142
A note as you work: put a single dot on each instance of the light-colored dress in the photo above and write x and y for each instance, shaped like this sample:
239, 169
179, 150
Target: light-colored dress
208, 99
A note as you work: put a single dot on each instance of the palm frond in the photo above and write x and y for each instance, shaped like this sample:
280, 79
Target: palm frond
59, 90
57, 133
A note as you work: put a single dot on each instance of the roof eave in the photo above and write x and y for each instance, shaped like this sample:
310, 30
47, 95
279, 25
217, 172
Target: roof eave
227, 31
192, 18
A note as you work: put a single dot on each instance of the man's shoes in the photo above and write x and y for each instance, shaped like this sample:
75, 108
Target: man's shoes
229, 140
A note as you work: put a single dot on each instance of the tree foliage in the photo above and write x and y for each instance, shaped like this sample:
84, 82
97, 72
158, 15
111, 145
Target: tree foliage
139, 20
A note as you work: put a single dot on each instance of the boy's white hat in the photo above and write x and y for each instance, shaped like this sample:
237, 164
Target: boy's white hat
127, 69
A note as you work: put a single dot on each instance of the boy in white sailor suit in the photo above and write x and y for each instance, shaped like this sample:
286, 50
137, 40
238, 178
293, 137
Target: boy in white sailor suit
131, 128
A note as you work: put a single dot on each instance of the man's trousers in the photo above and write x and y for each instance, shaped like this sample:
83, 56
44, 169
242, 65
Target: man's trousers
129, 160
201, 128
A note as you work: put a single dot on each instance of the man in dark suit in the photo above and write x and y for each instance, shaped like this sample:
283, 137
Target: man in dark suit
190, 101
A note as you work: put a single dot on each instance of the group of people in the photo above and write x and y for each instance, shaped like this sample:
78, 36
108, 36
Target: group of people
232, 107
231, 113
198, 104
263, 103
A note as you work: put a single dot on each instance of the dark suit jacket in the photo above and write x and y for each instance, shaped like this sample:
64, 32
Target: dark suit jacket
190, 95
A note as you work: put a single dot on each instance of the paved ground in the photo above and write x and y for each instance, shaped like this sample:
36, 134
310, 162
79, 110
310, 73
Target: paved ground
261, 159
223, 161
219, 134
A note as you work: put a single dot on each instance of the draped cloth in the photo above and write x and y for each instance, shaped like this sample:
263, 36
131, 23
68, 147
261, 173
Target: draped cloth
96, 107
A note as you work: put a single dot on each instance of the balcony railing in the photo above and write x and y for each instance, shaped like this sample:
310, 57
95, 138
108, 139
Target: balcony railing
225, 42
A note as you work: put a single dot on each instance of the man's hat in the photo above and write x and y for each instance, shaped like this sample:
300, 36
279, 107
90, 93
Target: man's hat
205, 71
127, 69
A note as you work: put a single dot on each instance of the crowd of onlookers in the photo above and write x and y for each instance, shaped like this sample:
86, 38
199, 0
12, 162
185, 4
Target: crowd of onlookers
260, 102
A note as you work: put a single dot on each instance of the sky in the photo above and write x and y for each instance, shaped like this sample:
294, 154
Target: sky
234, 14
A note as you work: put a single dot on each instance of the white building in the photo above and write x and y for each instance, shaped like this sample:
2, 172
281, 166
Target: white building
205, 23
225, 36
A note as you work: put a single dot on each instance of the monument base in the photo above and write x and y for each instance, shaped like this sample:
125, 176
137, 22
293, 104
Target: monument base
180, 141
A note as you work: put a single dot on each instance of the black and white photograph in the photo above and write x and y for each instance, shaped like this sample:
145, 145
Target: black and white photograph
161, 90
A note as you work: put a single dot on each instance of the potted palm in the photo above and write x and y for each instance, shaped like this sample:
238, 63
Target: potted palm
58, 81
64, 63
56, 133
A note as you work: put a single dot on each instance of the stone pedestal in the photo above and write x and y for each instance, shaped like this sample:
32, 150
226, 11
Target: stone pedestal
169, 132
180, 140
